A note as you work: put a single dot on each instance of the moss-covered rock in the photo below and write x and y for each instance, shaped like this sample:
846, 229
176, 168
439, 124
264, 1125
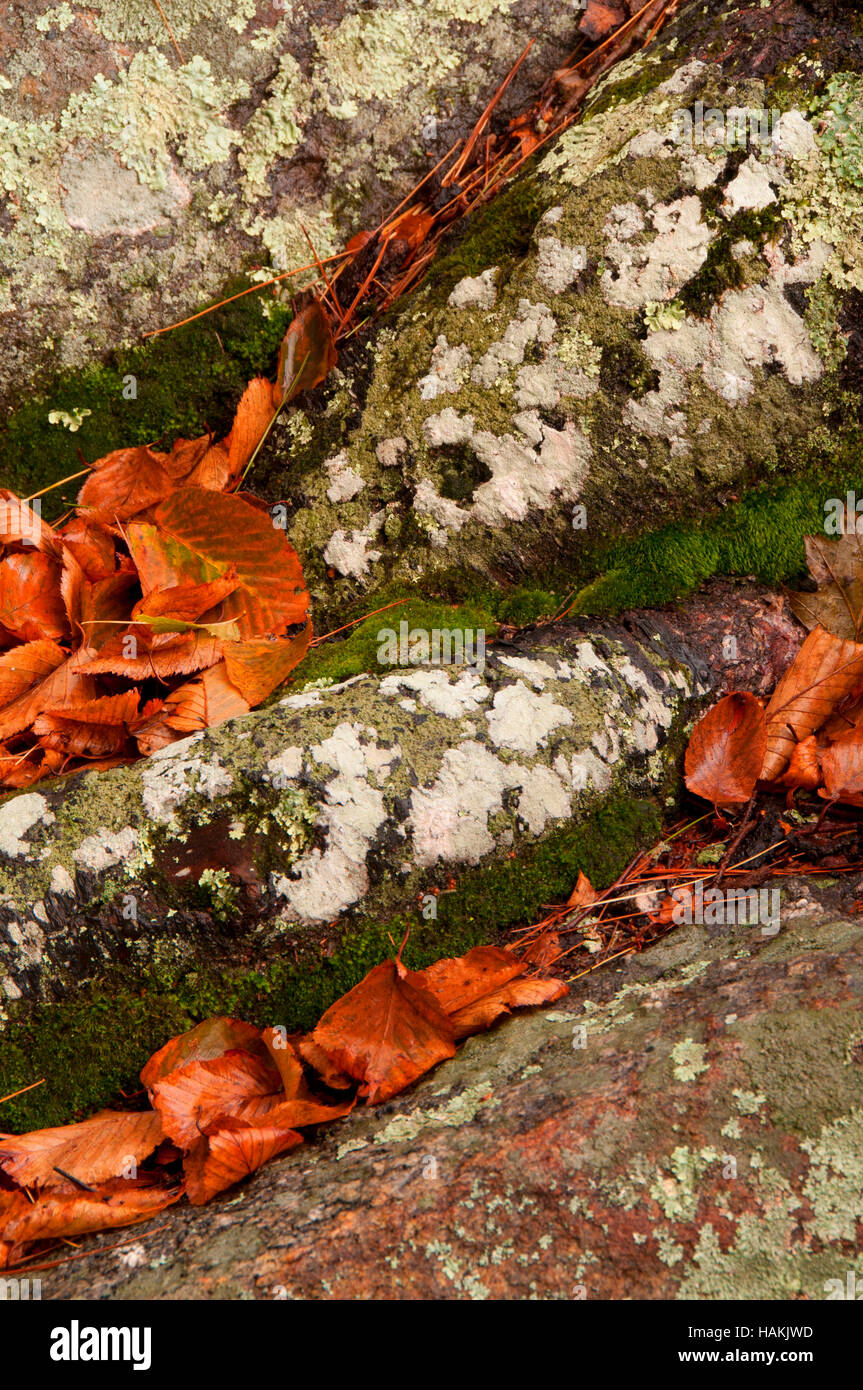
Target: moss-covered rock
650, 321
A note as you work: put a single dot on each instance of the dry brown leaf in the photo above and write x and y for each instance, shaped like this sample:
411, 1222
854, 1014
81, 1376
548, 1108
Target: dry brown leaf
63, 686
201, 703
240, 1084
842, 767
522, 993
93, 1151
824, 672
308, 354
31, 605
230, 1153
210, 1039
258, 666
61, 1215
836, 566
384, 1033
726, 751
583, 894
23, 667
803, 772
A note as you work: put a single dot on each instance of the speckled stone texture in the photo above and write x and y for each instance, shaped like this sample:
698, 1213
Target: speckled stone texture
689, 1126
135, 181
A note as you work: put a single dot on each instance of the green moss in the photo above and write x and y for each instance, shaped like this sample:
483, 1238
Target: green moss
722, 270
92, 1048
187, 382
342, 658
498, 234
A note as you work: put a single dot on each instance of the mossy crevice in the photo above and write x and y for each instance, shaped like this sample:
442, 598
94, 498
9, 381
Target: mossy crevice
180, 384
89, 1049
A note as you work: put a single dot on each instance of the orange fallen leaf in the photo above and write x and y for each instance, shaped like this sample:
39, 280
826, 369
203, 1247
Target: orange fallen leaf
199, 535
385, 1033
230, 1153
241, 1084
31, 605
842, 766
61, 1215
824, 672
308, 353
521, 993
62, 686
804, 770
477, 988
92, 1151
89, 728
258, 666
583, 894
210, 1039
201, 703
251, 422
23, 667
456, 982
726, 750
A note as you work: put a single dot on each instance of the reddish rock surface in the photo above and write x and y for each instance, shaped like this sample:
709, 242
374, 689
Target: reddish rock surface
701, 1138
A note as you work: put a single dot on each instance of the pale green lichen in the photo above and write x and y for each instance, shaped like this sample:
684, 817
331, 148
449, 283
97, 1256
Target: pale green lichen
139, 21
688, 1057
69, 419
60, 17
663, 315
276, 128
749, 1102
151, 106
824, 202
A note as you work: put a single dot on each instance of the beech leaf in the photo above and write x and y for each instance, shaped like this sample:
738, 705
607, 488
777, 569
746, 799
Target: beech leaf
726, 750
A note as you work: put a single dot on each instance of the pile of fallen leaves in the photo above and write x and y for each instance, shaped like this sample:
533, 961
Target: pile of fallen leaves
226, 1098
809, 737
165, 604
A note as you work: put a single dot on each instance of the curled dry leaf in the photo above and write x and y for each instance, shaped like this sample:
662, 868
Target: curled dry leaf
726, 750
19, 524
583, 894
476, 989
842, 767
210, 1039
23, 667
201, 703
230, 1153
836, 566
803, 772
258, 666
244, 1085
31, 605
824, 672
307, 356
63, 1214
521, 993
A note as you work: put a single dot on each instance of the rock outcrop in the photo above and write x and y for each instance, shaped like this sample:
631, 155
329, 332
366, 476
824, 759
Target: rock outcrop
688, 1126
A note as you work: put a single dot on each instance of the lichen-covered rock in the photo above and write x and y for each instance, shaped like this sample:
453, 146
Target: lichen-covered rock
136, 178
654, 317
360, 795
687, 1126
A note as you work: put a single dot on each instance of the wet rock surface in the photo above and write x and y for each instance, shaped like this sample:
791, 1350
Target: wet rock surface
686, 1126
